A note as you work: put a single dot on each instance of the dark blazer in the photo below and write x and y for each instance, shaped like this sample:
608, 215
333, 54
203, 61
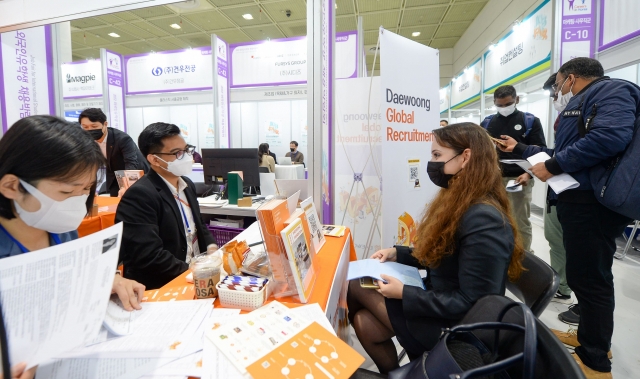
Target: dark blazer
154, 246
122, 154
478, 267
274, 157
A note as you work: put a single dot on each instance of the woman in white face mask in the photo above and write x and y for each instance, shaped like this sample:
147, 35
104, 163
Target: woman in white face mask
47, 183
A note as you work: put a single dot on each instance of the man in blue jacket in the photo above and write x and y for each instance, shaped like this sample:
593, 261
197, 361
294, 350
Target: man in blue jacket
589, 228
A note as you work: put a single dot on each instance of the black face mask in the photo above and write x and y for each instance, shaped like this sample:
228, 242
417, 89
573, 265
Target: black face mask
435, 170
96, 133
292, 150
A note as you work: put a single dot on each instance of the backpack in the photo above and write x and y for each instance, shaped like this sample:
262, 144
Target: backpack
528, 122
616, 182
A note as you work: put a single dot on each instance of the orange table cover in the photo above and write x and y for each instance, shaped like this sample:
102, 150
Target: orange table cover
327, 259
103, 220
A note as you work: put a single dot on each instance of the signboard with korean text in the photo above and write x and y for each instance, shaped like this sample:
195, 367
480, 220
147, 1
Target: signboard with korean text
26, 74
114, 91
577, 35
81, 79
524, 51
169, 71
284, 61
221, 94
466, 87
444, 99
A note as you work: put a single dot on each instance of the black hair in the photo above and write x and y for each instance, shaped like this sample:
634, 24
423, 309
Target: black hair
46, 147
94, 115
582, 67
262, 150
267, 145
293, 142
445, 121
150, 140
505, 91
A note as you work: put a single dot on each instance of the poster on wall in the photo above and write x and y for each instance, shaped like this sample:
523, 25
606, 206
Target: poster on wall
114, 91
358, 154
81, 79
284, 61
618, 22
524, 51
206, 130
409, 77
169, 71
221, 95
466, 87
185, 117
26, 74
577, 34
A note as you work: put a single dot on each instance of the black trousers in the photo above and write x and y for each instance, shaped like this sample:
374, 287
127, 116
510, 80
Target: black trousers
589, 232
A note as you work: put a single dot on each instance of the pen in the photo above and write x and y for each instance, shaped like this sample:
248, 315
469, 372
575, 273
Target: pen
256, 243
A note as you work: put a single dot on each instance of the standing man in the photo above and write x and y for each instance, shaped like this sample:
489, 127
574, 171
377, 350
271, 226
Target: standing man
162, 229
119, 149
296, 156
444, 123
524, 128
590, 228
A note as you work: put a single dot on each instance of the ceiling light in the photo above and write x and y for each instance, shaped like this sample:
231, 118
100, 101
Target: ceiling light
336, 5
247, 16
415, 34
114, 35
175, 26
493, 47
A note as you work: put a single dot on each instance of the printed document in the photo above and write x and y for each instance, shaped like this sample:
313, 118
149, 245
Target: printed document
55, 299
558, 183
373, 268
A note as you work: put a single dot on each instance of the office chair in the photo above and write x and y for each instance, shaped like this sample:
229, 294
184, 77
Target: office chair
537, 285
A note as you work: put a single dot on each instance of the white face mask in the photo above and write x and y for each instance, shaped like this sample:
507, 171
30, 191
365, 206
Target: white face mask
563, 100
179, 167
53, 216
508, 110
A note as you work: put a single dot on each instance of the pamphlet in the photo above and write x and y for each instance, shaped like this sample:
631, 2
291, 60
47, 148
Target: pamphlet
513, 187
373, 268
333, 230
312, 353
126, 178
558, 183
315, 226
304, 272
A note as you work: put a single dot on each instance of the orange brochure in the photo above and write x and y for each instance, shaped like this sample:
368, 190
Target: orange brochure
314, 351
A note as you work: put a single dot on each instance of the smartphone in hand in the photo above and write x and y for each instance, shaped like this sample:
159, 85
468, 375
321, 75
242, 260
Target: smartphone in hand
368, 282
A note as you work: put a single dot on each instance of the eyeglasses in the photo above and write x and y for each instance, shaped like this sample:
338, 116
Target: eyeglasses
180, 153
555, 85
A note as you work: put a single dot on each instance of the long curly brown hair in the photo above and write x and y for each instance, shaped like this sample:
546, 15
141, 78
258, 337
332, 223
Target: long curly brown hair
480, 181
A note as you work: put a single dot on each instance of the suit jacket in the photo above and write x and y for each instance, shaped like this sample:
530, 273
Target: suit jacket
478, 267
122, 154
154, 245
273, 155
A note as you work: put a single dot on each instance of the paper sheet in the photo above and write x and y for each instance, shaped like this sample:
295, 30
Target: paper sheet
104, 368
191, 365
162, 329
313, 312
374, 268
558, 183
55, 299
215, 365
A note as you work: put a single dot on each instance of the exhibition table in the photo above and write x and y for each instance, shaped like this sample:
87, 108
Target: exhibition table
330, 290
294, 171
106, 216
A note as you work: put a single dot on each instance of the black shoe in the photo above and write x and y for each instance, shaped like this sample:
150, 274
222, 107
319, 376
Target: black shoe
572, 316
563, 299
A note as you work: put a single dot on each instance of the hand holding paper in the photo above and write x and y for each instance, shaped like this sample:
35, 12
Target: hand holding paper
558, 183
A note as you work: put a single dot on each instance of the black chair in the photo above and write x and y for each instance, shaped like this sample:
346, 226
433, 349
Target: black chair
536, 286
552, 359
264, 170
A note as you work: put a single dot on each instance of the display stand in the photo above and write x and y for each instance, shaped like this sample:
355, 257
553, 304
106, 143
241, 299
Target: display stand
283, 282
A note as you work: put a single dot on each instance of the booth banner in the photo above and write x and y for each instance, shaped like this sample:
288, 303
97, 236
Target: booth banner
26, 74
577, 34
326, 67
466, 87
618, 22
222, 92
81, 79
115, 90
444, 99
169, 71
409, 77
524, 51
284, 61
358, 154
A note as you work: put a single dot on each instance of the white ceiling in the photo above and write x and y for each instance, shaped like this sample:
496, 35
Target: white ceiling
440, 23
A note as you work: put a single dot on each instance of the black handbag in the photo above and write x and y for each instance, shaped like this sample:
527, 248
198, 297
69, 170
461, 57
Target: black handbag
460, 354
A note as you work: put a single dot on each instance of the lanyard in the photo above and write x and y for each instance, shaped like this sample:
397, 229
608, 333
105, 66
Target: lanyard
55, 238
184, 214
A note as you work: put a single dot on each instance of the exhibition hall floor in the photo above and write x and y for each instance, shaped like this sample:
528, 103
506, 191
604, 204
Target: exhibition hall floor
626, 335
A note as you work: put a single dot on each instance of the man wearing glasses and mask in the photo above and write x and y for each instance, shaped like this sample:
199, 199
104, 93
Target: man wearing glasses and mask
163, 229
